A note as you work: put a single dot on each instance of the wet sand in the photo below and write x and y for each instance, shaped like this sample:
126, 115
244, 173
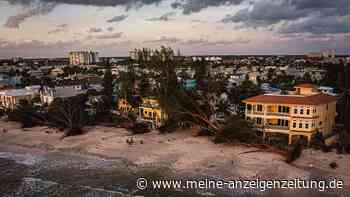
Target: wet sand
101, 158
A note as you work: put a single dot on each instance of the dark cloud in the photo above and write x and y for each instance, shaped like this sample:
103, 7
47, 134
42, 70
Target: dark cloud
59, 29
320, 4
264, 13
192, 6
94, 30
117, 19
27, 12
100, 3
318, 25
110, 29
164, 17
110, 36
42, 7
295, 16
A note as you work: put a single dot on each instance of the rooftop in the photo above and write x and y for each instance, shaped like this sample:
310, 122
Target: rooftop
306, 85
17, 92
314, 99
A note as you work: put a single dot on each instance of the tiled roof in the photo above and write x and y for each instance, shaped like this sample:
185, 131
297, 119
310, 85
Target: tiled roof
315, 99
306, 85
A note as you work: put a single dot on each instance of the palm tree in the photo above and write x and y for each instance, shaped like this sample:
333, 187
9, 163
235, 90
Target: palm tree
108, 86
69, 114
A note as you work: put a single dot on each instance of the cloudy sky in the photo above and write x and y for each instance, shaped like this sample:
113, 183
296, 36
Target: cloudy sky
52, 28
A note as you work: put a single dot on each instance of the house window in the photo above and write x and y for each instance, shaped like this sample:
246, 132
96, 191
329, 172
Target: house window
284, 123
306, 126
259, 108
286, 110
300, 125
308, 111
301, 111
283, 109
320, 123
295, 111
259, 121
249, 107
294, 125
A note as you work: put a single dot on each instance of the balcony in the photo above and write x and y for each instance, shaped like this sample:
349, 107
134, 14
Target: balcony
147, 118
277, 114
276, 127
251, 112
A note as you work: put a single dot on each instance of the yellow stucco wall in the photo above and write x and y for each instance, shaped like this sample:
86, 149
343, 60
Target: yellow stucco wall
125, 107
11, 101
151, 107
320, 117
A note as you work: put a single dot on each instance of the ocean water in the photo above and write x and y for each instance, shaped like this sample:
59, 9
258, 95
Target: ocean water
71, 175
59, 174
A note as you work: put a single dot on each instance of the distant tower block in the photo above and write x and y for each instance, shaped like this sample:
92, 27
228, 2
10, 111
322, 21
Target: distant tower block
83, 57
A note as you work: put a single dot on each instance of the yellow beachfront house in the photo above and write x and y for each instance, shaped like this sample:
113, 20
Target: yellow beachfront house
125, 107
151, 111
148, 111
11, 98
302, 112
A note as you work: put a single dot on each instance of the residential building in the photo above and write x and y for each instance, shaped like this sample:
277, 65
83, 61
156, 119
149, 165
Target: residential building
151, 111
253, 77
236, 79
267, 88
327, 90
189, 84
48, 95
56, 71
10, 98
83, 57
302, 112
125, 107
148, 111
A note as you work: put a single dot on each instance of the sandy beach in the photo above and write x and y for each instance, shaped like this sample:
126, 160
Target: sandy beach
179, 152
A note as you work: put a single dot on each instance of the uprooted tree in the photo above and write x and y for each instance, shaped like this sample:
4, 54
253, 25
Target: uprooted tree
197, 108
69, 114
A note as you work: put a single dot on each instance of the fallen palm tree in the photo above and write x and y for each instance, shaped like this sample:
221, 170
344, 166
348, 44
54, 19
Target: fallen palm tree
197, 107
68, 114
182, 107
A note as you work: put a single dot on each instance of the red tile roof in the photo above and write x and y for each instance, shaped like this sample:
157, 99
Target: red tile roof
315, 99
306, 85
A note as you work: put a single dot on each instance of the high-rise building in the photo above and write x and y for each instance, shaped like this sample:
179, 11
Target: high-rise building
146, 54
83, 58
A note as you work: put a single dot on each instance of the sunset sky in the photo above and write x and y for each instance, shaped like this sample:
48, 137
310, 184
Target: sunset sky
52, 28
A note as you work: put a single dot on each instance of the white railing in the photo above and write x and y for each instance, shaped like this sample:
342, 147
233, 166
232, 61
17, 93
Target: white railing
276, 127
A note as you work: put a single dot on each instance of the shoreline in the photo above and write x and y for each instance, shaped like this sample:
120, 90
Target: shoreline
179, 152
